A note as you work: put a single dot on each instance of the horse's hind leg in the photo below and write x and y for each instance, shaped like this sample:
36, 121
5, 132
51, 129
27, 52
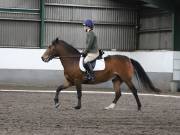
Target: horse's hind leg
116, 85
65, 85
134, 91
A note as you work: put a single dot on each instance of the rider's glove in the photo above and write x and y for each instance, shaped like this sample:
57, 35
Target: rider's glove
84, 54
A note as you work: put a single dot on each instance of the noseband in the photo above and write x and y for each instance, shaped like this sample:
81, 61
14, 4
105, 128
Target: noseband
58, 57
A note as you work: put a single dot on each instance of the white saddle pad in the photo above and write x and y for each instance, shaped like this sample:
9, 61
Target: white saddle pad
100, 65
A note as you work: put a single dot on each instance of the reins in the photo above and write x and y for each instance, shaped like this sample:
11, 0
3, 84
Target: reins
66, 57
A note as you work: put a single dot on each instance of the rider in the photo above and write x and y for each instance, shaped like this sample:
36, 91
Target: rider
91, 52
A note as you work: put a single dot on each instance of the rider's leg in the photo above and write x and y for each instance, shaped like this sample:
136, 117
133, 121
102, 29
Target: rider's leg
89, 69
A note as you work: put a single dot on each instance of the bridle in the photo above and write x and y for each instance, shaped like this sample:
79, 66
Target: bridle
58, 57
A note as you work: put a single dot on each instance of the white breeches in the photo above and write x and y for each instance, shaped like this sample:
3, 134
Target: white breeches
91, 57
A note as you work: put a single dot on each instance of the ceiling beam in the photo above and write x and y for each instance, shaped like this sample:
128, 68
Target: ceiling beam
162, 4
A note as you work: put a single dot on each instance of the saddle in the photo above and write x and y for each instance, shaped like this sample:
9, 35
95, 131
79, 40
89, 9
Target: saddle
97, 64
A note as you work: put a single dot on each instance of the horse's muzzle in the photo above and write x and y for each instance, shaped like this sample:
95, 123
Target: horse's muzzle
45, 59
42, 58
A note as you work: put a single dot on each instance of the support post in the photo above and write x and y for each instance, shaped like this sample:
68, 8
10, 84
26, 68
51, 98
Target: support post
176, 57
42, 22
176, 29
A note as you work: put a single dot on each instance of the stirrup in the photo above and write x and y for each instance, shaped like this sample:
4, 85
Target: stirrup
89, 77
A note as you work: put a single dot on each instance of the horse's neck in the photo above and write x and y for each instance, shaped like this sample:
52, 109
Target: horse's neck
66, 53
68, 58
69, 62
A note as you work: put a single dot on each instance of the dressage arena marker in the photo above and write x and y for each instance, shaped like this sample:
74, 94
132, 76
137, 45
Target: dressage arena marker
88, 92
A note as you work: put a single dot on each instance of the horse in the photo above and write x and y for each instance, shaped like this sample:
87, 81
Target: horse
118, 68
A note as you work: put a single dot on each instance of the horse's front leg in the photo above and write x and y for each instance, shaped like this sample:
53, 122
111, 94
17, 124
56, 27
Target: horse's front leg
58, 90
79, 95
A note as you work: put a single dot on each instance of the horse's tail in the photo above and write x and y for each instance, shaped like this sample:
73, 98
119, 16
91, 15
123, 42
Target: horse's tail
143, 77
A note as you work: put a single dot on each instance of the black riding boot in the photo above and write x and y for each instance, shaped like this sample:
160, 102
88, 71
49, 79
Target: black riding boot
89, 72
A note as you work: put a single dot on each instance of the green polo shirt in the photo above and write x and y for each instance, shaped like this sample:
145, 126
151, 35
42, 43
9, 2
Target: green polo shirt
91, 42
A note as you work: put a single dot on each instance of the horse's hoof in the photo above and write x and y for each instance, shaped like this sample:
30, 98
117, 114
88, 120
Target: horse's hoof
77, 107
56, 100
139, 108
158, 91
57, 105
110, 107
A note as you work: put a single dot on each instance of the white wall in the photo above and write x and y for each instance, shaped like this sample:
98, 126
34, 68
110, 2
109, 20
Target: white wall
152, 61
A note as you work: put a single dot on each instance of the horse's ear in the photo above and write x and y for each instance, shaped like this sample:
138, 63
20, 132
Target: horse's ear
57, 39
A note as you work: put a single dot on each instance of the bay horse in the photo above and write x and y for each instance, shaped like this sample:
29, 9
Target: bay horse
118, 68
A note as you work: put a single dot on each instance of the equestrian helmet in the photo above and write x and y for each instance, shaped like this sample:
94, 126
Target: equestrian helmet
89, 23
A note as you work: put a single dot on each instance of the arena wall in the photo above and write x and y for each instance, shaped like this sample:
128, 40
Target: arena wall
24, 67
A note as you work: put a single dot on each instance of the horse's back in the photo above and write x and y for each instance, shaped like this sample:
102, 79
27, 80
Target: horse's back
117, 58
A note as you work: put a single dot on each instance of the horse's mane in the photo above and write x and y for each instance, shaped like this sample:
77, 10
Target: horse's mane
69, 47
